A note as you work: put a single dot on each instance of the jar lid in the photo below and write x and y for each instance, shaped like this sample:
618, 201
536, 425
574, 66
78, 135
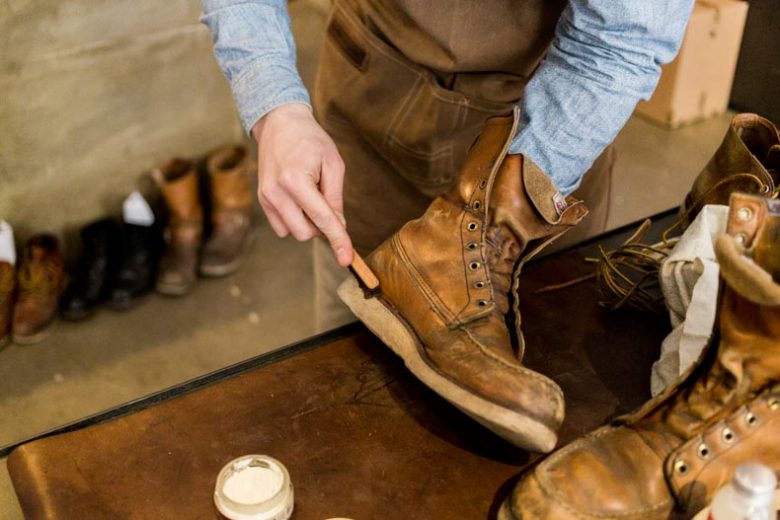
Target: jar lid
254, 487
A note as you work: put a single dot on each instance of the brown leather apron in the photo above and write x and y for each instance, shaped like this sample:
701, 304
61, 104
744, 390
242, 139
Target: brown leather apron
404, 87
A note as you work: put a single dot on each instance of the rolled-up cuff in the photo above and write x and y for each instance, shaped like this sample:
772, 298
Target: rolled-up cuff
262, 87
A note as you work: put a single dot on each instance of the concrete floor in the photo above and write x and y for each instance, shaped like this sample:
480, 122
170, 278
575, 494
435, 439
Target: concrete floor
85, 368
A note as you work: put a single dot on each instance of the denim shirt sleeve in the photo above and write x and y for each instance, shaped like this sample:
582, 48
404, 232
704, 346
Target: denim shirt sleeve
254, 46
605, 57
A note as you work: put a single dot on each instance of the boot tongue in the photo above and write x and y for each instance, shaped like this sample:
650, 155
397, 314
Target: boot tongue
541, 191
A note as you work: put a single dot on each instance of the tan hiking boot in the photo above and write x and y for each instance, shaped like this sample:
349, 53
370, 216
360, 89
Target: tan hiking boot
747, 161
669, 458
444, 304
178, 182
7, 292
40, 281
230, 211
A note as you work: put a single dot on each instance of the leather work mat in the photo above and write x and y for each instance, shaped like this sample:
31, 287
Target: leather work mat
360, 436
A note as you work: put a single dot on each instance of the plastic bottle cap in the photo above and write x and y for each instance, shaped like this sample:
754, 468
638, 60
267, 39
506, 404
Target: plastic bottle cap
254, 487
755, 479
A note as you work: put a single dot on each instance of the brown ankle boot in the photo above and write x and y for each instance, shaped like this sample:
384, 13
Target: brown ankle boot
7, 290
231, 202
178, 182
40, 282
669, 458
445, 281
747, 161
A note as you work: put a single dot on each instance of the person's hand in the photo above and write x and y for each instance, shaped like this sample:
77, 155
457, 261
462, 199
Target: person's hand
301, 178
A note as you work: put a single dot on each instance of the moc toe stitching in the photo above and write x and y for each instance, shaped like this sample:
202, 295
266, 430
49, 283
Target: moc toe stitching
547, 486
520, 369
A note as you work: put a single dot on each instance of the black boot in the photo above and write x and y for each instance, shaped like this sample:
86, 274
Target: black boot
141, 250
96, 267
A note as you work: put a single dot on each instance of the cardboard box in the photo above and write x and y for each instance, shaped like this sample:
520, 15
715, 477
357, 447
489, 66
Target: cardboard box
697, 84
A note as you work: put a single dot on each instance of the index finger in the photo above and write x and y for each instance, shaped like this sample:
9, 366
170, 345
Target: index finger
314, 205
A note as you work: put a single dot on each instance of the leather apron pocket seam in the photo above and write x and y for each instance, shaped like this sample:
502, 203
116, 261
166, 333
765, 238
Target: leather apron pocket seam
343, 41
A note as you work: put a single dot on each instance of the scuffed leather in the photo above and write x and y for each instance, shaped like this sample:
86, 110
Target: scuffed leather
742, 163
178, 182
40, 281
448, 273
671, 456
231, 204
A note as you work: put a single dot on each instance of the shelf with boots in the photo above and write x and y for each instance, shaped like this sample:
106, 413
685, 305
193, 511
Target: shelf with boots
94, 358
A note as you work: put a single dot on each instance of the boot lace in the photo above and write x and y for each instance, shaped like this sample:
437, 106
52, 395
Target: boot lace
628, 275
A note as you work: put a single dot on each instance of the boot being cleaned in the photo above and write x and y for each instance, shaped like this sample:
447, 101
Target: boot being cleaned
444, 301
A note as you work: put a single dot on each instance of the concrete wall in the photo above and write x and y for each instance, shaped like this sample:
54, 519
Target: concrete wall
95, 92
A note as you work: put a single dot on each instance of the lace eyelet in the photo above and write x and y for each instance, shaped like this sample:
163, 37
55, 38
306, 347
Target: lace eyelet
472, 226
744, 214
472, 246
477, 204
479, 285
483, 183
774, 404
474, 266
482, 303
728, 435
751, 419
703, 451
681, 467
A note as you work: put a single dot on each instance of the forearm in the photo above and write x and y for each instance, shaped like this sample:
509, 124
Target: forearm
606, 56
254, 46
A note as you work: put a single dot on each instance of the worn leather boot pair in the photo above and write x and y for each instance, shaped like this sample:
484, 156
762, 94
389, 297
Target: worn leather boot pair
39, 283
669, 458
231, 200
446, 284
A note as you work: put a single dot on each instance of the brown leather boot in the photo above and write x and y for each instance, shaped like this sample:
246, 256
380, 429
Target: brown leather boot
7, 290
178, 182
40, 282
231, 203
445, 279
747, 161
669, 458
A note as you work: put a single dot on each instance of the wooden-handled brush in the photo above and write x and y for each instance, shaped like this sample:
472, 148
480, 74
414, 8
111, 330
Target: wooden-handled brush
363, 273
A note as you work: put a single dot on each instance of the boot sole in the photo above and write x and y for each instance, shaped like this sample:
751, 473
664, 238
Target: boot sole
32, 339
393, 330
173, 290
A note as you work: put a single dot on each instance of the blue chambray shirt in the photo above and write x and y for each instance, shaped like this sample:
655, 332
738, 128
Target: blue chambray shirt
605, 57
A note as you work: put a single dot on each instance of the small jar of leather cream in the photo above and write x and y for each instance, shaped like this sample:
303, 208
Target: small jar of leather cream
254, 487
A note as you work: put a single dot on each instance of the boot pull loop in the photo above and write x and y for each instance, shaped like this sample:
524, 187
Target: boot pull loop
745, 277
